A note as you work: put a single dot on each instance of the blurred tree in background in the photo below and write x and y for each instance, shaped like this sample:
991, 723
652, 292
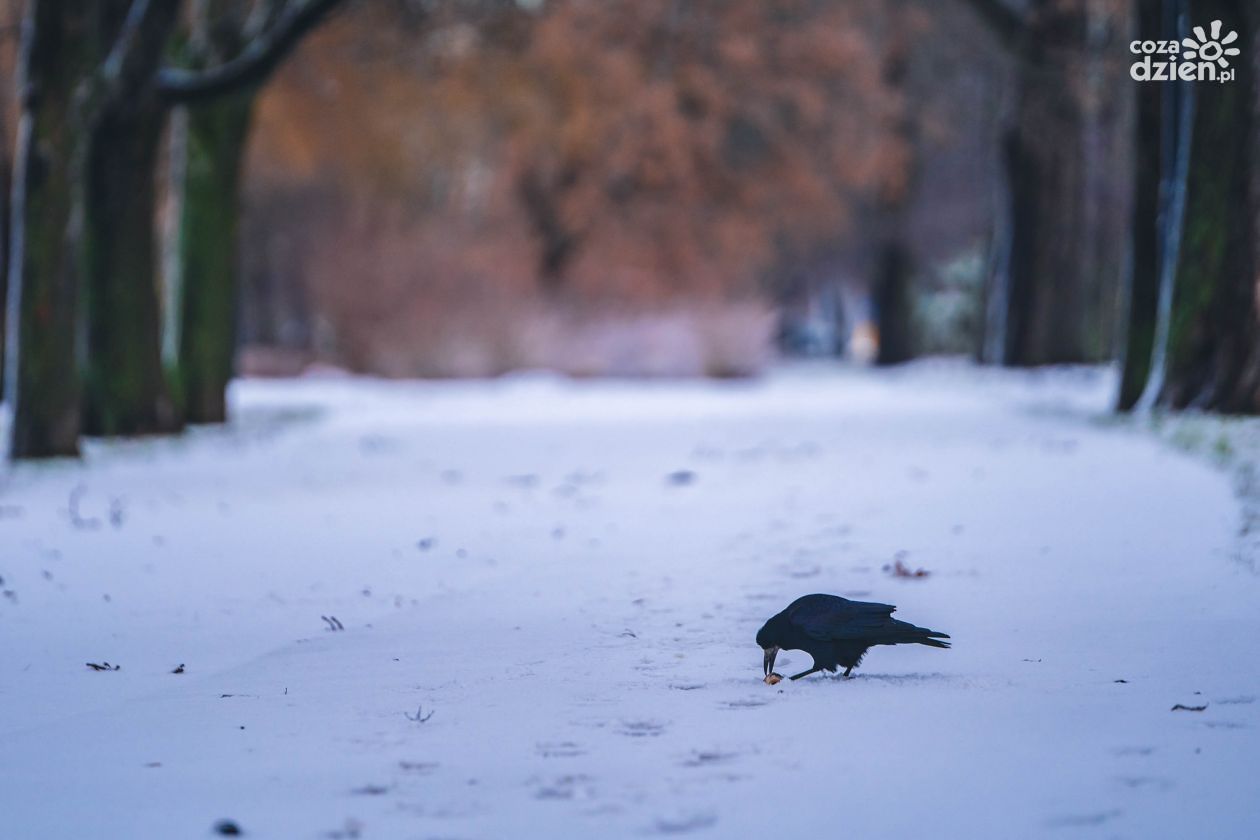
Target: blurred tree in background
207, 156
1058, 286
1214, 336
1194, 318
41, 375
125, 391
516, 172
85, 208
10, 17
1155, 141
893, 272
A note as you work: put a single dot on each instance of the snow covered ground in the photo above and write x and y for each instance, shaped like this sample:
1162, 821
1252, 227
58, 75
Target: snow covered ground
549, 592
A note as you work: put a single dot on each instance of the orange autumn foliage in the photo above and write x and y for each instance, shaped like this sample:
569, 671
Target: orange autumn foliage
487, 174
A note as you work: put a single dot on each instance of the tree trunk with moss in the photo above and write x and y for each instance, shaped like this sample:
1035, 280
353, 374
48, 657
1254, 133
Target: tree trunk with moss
206, 167
41, 375
125, 389
125, 386
206, 293
246, 47
1214, 332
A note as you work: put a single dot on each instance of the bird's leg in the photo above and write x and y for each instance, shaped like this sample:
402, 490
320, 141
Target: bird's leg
846, 672
813, 670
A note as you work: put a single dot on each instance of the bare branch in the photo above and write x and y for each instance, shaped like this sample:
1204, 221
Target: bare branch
263, 16
138, 47
260, 57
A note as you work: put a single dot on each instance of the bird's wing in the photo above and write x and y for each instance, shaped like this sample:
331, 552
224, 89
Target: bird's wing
838, 618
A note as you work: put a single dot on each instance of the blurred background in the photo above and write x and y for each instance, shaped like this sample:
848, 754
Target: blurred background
461, 188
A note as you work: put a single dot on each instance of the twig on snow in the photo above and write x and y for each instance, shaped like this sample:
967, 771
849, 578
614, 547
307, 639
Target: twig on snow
419, 716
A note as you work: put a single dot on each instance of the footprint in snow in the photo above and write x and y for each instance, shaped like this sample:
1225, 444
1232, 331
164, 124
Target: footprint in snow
1082, 820
684, 824
1145, 782
708, 758
749, 703
642, 728
371, 790
421, 767
567, 788
801, 572
1133, 751
900, 679
560, 749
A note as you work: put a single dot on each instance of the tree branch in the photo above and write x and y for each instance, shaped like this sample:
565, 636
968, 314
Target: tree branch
260, 57
262, 18
1000, 19
137, 49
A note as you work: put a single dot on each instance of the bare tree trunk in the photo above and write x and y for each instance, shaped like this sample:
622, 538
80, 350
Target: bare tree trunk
125, 386
208, 254
10, 25
41, 373
126, 391
6, 187
1062, 267
94, 100
245, 42
1145, 237
1249, 381
894, 302
1109, 102
1214, 329
1048, 293
894, 261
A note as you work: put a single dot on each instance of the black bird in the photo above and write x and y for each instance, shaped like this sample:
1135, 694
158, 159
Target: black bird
837, 631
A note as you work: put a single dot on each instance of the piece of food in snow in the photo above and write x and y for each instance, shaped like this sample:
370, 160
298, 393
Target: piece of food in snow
773, 679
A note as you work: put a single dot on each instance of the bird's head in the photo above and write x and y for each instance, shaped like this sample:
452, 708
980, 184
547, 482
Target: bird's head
768, 639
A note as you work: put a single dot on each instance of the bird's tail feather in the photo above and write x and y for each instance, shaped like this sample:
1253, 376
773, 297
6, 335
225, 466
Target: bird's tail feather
930, 637
905, 633
924, 636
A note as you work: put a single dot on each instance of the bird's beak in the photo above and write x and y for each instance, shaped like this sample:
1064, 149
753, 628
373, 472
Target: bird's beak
771, 653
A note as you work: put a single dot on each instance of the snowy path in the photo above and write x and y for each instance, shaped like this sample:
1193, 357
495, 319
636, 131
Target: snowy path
513, 558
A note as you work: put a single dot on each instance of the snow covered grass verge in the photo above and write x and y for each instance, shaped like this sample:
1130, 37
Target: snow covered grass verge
526, 607
1231, 444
